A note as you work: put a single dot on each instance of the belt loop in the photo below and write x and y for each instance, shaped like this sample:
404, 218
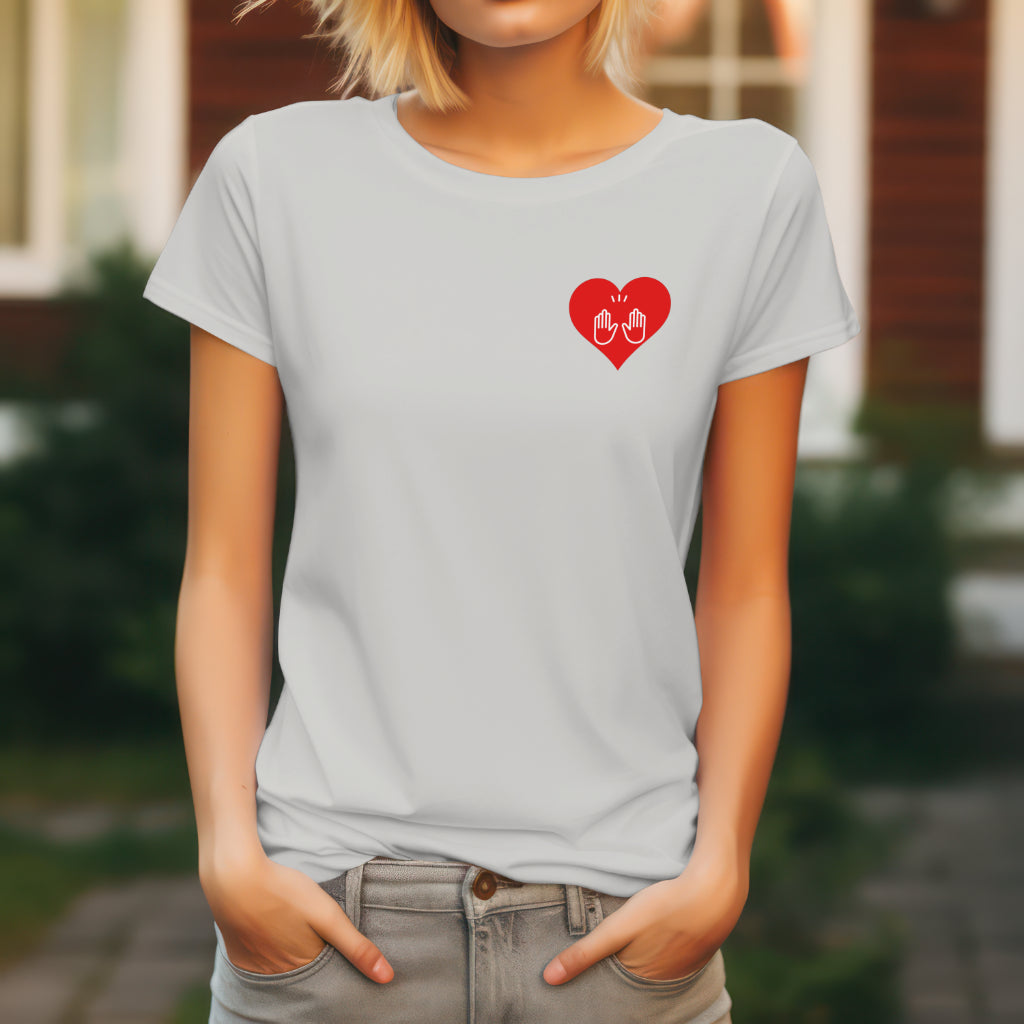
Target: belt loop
354, 893
575, 911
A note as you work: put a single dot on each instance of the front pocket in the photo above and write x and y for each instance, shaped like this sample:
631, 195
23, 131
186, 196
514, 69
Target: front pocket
601, 905
302, 971
684, 982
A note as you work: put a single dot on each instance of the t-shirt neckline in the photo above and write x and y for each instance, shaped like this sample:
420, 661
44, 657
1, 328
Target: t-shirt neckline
503, 187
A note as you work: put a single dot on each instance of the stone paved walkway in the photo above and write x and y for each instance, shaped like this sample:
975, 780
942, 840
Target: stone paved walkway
126, 954
121, 955
958, 883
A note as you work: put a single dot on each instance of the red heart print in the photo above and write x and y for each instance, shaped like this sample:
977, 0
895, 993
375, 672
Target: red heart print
618, 322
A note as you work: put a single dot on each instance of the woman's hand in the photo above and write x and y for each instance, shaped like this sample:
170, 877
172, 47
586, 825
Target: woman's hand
668, 929
275, 918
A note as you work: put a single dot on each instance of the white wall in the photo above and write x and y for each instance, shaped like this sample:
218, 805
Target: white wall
1003, 314
835, 129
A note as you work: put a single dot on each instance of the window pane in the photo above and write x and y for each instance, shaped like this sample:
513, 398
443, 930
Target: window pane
686, 26
775, 104
683, 99
13, 121
756, 38
95, 196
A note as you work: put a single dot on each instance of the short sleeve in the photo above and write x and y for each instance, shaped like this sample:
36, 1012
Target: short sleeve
210, 271
794, 304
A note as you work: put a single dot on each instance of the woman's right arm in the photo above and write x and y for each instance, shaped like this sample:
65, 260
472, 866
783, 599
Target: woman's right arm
273, 918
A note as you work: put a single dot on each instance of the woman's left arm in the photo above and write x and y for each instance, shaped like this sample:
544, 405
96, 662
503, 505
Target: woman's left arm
742, 615
742, 609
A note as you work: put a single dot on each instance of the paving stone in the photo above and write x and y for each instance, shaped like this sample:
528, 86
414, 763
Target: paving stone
171, 947
957, 883
121, 955
940, 1015
147, 988
38, 990
41, 987
1000, 974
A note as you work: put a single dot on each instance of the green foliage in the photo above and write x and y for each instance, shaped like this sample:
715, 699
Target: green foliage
871, 568
93, 521
871, 563
194, 1006
800, 953
120, 774
91, 526
812, 845
40, 877
850, 985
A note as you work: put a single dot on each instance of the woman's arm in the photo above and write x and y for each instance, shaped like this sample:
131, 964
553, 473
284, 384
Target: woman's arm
742, 608
273, 918
742, 616
224, 640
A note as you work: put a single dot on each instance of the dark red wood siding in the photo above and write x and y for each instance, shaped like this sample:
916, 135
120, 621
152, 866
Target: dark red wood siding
926, 189
257, 63
234, 69
927, 202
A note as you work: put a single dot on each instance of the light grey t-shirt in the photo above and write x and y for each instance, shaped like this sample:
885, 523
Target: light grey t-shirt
499, 391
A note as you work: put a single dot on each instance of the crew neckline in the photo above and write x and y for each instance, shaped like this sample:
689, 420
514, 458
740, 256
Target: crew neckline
500, 187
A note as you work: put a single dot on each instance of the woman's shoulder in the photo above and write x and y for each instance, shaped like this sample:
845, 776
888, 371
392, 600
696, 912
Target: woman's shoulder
286, 124
750, 137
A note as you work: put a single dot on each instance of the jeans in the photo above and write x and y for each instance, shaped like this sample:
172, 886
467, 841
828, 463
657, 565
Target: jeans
467, 947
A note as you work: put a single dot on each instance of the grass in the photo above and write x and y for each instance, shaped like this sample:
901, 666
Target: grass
40, 876
194, 1007
123, 773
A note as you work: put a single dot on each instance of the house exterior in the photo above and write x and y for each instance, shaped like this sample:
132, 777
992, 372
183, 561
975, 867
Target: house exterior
909, 110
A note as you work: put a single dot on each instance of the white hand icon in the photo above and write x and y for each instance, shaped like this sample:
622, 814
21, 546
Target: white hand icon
603, 322
637, 322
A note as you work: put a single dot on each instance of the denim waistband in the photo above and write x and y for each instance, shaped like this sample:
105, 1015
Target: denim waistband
456, 886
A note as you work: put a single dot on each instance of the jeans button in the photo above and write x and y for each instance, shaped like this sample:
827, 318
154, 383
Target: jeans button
484, 885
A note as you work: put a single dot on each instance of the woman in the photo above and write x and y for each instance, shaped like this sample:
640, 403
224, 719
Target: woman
523, 324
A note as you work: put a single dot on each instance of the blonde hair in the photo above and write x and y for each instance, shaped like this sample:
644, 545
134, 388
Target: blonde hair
389, 45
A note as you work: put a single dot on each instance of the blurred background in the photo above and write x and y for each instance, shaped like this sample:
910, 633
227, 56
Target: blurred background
887, 879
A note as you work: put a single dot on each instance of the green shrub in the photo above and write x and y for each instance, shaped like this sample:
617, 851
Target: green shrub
871, 563
872, 620
91, 526
804, 952
92, 523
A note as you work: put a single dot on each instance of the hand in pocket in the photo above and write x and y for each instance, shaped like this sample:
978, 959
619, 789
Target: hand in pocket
662, 966
276, 919
665, 932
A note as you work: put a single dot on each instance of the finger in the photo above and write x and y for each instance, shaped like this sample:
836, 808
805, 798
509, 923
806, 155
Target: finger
336, 927
585, 952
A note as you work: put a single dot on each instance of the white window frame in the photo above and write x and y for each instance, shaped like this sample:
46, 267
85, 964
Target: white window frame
834, 127
1002, 354
32, 268
832, 122
724, 69
155, 137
